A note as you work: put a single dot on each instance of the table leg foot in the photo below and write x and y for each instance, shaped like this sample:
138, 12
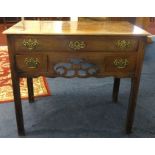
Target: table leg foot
21, 132
128, 129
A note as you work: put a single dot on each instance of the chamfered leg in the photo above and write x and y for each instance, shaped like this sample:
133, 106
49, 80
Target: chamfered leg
30, 89
132, 104
18, 105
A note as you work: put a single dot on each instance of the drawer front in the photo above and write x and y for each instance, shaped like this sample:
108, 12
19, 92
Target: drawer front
75, 43
88, 64
33, 63
119, 64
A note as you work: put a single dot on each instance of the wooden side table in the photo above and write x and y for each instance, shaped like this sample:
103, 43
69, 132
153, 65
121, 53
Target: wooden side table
76, 49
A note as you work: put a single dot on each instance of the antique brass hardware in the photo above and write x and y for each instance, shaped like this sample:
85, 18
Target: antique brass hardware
77, 45
120, 63
32, 62
30, 43
123, 44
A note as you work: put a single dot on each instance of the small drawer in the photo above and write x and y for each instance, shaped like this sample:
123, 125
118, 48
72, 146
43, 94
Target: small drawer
120, 64
31, 63
75, 43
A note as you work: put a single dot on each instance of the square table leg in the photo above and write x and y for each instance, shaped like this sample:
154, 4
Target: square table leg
116, 89
132, 104
18, 105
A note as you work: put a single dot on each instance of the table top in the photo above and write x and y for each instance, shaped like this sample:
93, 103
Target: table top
76, 28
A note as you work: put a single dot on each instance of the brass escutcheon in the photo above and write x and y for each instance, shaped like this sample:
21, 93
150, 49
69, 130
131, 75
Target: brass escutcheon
32, 62
77, 45
123, 44
120, 63
30, 43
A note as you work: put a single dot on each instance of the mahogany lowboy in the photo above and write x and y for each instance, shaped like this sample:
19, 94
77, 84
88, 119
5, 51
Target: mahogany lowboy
105, 49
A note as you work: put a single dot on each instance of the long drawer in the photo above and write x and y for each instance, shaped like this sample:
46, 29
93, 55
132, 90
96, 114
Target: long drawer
74, 43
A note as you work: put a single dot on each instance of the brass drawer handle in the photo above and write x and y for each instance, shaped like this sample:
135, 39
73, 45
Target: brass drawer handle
120, 63
32, 62
30, 43
77, 45
123, 44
